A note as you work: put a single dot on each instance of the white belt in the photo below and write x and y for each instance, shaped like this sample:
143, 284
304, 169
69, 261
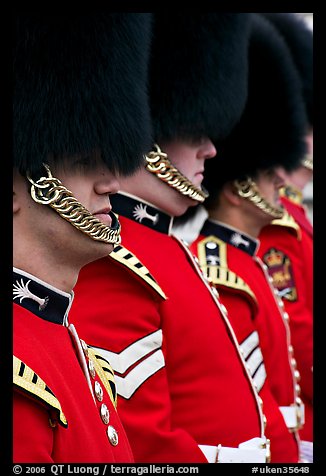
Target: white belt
255, 450
293, 416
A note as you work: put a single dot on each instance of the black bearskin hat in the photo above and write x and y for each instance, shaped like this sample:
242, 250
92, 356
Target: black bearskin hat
272, 128
80, 85
299, 39
198, 73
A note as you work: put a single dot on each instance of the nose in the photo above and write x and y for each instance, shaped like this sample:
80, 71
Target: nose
206, 149
107, 183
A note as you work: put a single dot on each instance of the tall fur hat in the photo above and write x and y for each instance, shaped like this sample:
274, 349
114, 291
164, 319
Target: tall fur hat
80, 84
272, 128
198, 73
299, 38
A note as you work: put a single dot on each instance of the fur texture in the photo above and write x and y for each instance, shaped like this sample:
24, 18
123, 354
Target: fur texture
80, 84
299, 39
198, 73
272, 128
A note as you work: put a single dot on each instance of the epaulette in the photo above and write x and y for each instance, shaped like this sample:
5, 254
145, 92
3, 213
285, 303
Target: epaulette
128, 259
288, 221
213, 261
105, 372
29, 382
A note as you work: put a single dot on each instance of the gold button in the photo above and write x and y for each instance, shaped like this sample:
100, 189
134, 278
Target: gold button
224, 309
105, 414
91, 368
84, 347
298, 401
297, 375
112, 435
215, 292
264, 421
98, 391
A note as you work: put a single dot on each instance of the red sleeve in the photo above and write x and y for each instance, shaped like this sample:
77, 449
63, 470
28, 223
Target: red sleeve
32, 433
296, 302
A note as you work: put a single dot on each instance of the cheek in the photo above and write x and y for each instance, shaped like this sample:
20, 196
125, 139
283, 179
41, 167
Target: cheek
186, 167
77, 188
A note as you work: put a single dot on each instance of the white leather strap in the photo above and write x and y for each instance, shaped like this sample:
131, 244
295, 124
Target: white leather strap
255, 450
306, 452
293, 416
210, 452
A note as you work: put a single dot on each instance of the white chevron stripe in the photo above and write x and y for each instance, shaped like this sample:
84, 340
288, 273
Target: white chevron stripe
127, 385
254, 360
134, 352
260, 377
249, 344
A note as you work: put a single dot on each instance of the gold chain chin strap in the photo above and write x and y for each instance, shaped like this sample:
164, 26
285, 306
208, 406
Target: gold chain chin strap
159, 164
307, 162
50, 191
248, 189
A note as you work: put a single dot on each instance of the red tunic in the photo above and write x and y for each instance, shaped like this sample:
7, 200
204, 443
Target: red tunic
228, 258
55, 417
181, 379
294, 206
287, 251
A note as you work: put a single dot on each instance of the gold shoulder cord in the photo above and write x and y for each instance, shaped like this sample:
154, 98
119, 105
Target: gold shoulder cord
158, 163
50, 191
248, 189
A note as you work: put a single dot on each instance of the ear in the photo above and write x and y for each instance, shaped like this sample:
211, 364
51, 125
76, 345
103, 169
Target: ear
230, 192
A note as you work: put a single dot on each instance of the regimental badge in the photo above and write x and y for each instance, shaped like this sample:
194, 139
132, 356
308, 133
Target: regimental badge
280, 269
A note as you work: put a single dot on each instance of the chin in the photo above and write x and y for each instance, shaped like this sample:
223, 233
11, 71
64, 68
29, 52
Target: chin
97, 250
183, 207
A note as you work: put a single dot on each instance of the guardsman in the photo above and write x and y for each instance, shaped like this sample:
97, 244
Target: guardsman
80, 119
185, 392
292, 237
243, 186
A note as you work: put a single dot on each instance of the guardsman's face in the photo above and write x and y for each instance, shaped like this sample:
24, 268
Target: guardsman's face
91, 183
269, 183
189, 157
38, 224
298, 178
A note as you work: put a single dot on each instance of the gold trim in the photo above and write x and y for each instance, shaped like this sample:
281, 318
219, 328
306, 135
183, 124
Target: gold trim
158, 163
202, 250
24, 377
119, 253
308, 162
248, 189
221, 274
288, 221
106, 374
50, 191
